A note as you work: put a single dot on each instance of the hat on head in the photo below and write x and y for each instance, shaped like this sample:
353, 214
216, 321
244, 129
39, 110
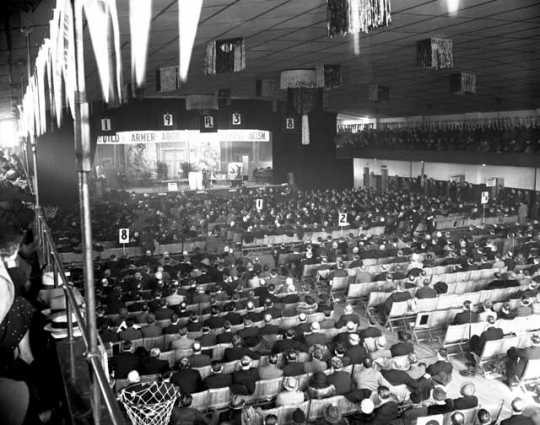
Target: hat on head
302, 317
290, 383
366, 406
439, 394
245, 362
133, 377
354, 339
336, 363
332, 414
315, 326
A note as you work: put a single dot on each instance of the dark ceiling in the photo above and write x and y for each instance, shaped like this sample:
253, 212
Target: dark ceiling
497, 39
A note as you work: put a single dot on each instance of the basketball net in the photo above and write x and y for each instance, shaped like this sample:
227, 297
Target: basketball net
152, 404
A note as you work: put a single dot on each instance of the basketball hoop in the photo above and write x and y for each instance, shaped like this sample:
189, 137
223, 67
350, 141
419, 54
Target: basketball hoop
151, 404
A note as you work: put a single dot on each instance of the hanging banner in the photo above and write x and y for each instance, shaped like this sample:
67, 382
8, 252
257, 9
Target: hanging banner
228, 55
435, 53
463, 83
329, 76
182, 136
189, 13
167, 79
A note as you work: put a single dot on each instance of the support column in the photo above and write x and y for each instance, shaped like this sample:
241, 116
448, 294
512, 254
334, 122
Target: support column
84, 164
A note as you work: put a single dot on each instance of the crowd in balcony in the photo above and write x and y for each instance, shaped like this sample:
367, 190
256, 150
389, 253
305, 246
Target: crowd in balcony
524, 140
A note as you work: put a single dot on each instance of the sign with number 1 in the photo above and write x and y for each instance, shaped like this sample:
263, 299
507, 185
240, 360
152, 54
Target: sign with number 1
259, 204
123, 235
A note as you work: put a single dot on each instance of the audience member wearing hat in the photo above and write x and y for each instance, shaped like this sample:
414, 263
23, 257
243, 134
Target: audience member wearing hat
152, 364
186, 378
270, 370
290, 395
217, 379
245, 378
339, 378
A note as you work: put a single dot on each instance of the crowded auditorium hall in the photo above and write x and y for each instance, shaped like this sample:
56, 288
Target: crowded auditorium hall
269, 212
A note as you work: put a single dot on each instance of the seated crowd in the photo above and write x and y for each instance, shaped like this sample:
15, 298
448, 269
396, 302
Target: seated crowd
228, 324
175, 217
482, 139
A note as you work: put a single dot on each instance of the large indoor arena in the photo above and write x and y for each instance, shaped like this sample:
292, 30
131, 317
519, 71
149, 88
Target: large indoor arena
269, 212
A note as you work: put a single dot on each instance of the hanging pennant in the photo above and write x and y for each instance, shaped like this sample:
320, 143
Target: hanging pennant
102, 19
189, 13
140, 18
463, 83
227, 55
435, 53
329, 76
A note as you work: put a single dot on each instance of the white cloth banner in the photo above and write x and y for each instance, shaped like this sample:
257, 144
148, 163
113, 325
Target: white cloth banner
140, 18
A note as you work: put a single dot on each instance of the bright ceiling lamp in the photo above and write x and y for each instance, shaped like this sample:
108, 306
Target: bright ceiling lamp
453, 7
189, 12
140, 17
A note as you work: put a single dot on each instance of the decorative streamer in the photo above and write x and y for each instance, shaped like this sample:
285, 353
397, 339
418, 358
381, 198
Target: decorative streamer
56, 63
68, 53
102, 19
140, 18
189, 13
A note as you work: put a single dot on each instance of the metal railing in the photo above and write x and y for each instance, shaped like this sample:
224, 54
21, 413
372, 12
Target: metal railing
50, 257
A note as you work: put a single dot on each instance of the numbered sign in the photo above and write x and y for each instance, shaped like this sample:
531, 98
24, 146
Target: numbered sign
289, 124
485, 198
236, 118
168, 120
123, 236
342, 220
208, 121
172, 187
259, 204
105, 124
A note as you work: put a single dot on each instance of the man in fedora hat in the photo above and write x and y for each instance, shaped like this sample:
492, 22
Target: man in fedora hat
244, 379
217, 379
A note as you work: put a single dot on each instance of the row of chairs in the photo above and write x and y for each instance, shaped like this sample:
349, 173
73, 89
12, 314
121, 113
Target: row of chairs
163, 342
457, 334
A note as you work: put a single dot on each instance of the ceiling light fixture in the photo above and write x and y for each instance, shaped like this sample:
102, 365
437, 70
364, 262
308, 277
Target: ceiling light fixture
453, 7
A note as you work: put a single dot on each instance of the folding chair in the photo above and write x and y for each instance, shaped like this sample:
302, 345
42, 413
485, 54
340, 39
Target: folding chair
200, 400
219, 398
267, 389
